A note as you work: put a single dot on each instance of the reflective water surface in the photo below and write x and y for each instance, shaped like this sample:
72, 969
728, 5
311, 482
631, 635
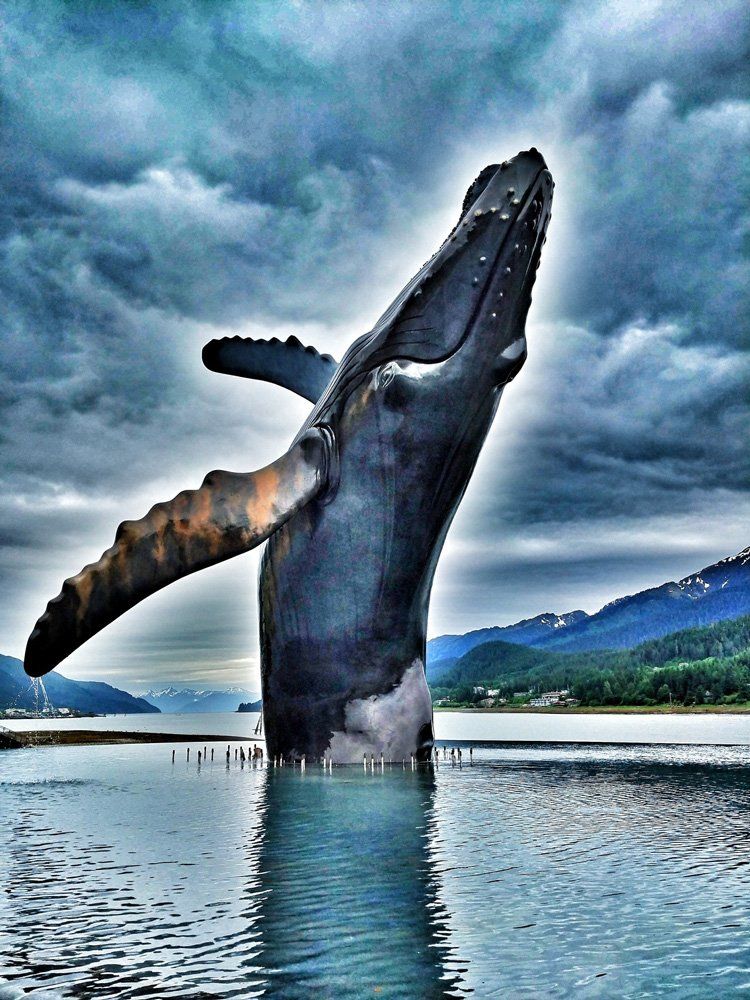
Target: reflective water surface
522, 727
534, 872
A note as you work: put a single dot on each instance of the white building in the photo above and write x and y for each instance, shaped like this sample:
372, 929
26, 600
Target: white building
548, 698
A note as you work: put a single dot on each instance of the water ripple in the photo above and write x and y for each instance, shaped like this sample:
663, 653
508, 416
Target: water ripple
534, 872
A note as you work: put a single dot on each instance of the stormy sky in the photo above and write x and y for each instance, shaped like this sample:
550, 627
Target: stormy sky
173, 172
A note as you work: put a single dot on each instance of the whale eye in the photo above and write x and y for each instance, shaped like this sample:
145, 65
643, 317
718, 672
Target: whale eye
387, 374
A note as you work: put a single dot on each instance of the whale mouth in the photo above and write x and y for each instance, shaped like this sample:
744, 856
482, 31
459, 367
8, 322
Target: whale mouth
501, 187
487, 264
495, 242
516, 196
481, 276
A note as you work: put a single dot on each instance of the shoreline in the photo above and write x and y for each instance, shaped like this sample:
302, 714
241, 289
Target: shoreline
741, 709
94, 737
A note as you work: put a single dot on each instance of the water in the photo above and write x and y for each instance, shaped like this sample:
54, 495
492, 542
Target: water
537, 872
198, 724
521, 727
575, 728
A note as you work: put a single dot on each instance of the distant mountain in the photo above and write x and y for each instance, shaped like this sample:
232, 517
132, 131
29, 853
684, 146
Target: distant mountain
181, 700
716, 593
83, 696
528, 632
493, 662
436, 669
711, 663
251, 706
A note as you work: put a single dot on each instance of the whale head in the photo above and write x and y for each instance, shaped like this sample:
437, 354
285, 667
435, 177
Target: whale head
468, 304
477, 288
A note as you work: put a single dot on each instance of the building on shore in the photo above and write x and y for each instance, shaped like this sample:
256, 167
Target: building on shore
549, 698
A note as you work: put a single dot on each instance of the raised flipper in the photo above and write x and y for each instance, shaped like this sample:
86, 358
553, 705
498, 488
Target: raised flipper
286, 363
230, 513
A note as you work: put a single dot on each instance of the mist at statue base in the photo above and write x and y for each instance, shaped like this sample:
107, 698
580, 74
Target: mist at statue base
597, 871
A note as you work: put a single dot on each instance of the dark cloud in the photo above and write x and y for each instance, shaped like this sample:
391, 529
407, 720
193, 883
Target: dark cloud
666, 213
635, 423
173, 172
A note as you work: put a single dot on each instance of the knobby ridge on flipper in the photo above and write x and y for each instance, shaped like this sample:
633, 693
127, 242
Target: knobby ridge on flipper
229, 514
287, 363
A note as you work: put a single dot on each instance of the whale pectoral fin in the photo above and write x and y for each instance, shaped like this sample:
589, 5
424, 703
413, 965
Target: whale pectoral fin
230, 514
286, 363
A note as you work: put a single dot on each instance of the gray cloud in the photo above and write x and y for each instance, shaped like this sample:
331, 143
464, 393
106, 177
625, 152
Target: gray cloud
175, 172
666, 213
634, 422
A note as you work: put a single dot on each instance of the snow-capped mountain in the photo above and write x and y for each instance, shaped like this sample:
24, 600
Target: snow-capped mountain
727, 574
715, 593
172, 699
526, 633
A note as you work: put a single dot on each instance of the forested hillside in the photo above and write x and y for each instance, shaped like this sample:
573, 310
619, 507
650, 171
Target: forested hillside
17, 692
720, 592
692, 666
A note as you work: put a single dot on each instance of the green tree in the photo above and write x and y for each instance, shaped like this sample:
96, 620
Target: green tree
662, 695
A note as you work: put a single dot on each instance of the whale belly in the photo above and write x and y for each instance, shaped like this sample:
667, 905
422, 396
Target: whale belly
343, 617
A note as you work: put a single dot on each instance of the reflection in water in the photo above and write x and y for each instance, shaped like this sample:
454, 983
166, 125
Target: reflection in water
626, 878
534, 873
349, 906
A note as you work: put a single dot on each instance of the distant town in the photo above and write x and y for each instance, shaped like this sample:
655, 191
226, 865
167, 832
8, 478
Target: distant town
492, 698
45, 713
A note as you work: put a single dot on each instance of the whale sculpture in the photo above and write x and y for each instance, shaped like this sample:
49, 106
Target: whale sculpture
356, 512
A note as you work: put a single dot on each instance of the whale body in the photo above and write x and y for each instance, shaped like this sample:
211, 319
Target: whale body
355, 514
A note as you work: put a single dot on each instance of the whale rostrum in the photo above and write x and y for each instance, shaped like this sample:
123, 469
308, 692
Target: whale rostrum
356, 512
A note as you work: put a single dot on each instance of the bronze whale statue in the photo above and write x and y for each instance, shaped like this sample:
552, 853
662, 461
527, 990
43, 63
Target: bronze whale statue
357, 510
